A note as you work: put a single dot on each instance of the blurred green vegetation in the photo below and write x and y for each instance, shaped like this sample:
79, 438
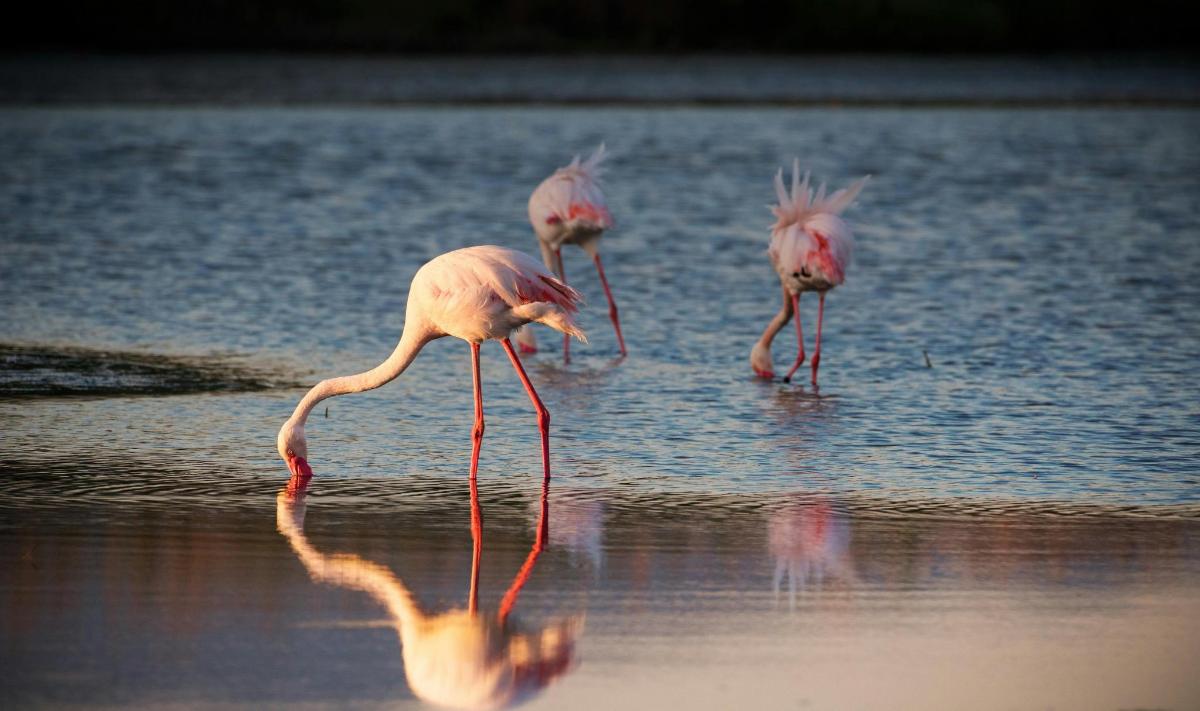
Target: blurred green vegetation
477, 26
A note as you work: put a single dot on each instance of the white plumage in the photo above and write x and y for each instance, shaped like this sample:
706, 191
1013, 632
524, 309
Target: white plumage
811, 249
569, 208
808, 234
481, 293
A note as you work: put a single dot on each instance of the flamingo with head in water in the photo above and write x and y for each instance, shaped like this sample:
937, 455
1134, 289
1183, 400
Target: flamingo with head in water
810, 249
476, 294
569, 208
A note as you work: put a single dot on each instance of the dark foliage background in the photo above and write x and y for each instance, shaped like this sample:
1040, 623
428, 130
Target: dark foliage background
608, 25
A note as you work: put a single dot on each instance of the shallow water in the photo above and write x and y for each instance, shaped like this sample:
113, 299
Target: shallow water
167, 274
713, 601
1044, 260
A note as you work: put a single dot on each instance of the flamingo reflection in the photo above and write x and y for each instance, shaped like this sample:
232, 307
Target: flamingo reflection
459, 658
578, 528
810, 542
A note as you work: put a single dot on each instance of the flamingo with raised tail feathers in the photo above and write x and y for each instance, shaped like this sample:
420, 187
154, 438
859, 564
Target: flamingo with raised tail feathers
476, 294
569, 208
811, 247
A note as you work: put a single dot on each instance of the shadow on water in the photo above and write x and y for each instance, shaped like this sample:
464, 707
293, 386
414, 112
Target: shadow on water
458, 658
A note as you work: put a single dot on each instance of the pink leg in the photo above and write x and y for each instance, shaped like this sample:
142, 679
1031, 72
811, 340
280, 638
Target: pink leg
477, 547
477, 430
562, 274
816, 359
612, 306
542, 412
539, 544
476, 511
799, 339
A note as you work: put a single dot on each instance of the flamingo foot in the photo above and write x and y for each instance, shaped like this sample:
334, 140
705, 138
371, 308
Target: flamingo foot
796, 366
816, 359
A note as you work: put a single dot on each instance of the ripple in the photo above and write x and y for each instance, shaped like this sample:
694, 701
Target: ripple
101, 480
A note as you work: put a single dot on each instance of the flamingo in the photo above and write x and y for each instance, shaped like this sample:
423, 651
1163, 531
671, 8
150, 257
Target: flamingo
568, 208
810, 249
476, 294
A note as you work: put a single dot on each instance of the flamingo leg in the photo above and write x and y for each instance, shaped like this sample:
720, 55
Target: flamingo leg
612, 305
816, 359
477, 430
542, 412
539, 544
477, 548
476, 511
562, 275
799, 339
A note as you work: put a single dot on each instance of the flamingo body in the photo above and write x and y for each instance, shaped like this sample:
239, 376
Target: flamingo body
476, 294
811, 249
482, 293
569, 208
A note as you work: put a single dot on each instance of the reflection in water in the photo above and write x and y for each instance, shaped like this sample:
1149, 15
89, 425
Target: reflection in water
577, 527
810, 542
459, 658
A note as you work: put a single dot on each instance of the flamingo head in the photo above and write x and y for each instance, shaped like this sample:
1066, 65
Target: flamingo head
294, 449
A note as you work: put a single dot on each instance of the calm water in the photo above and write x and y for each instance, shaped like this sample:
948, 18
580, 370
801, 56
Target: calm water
172, 278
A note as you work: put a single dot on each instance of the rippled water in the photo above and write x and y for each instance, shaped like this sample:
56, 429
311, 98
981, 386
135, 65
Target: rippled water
1045, 261
167, 275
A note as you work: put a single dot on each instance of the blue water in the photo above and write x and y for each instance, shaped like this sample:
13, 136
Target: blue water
1045, 260
1004, 445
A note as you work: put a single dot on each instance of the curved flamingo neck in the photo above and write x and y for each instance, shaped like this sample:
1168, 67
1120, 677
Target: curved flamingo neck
413, 339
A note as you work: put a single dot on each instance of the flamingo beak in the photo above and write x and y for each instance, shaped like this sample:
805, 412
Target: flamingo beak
301, 474
299, 467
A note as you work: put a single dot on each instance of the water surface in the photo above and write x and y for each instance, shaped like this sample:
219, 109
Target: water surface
1003, 447
1043, 260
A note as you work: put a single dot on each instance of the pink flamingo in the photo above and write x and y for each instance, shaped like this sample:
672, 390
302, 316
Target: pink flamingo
810, 249
475, 294
568, 208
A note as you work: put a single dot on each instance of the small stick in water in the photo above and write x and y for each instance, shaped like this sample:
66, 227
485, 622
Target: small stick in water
923, 352
327, 407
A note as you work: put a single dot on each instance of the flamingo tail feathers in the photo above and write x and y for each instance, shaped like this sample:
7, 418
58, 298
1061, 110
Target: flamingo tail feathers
552, 315
803, 202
